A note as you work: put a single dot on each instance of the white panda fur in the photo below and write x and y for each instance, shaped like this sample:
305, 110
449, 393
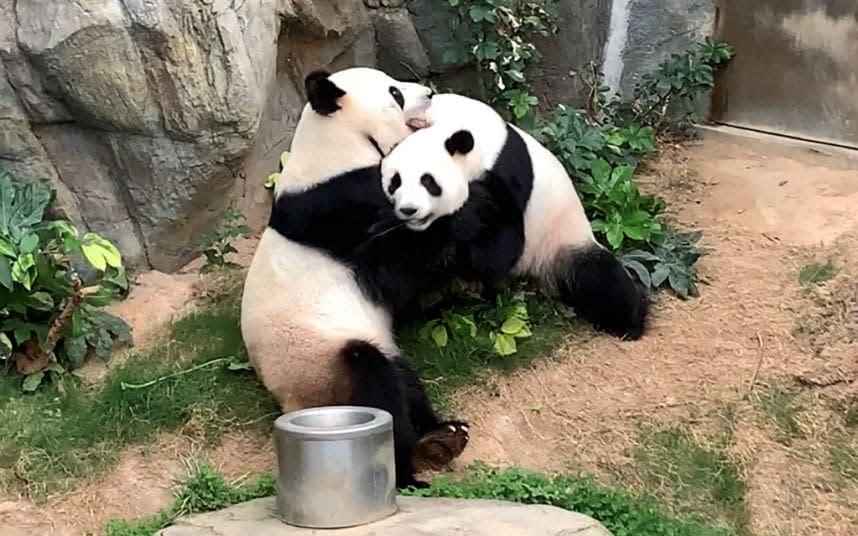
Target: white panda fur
559, 247
311, 332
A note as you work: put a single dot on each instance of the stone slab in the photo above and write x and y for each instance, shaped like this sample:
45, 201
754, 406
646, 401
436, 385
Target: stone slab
416, 517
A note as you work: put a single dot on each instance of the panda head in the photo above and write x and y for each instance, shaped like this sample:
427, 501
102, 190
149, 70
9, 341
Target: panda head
369, 102
426, 176
352, 119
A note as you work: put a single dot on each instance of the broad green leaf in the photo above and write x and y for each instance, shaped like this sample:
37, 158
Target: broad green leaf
94, 255
601, 170
239, 365
107, 250
615, 236
7, 248
463, 325
40, 301
101, 298
32, 382
504, 344
660, 275
636, 233
513, 325
640, 270
523, 333
479, 13
29, 243
623, 173
426, 331
103, 344
113, 324
439, 335
71, 244
22, 205
65, 229
23, 270
6, 273
5, 347
76, 347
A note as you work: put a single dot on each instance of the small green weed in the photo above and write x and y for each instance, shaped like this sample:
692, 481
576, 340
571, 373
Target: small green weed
217, 245
780, 404
204, 490
701, 482
816, 273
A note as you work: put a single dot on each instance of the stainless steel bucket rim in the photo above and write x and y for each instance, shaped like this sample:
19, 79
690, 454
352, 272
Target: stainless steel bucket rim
379, 421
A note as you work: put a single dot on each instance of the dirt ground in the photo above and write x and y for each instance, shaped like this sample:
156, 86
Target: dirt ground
766, 211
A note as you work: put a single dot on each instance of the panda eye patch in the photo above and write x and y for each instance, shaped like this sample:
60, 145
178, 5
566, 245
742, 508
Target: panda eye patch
397, 96
395, 183
428, 182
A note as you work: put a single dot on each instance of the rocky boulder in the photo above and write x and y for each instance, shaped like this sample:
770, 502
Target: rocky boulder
416, 517
145, 114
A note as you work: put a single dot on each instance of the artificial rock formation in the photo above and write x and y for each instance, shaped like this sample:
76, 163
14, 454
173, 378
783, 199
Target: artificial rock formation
149, 117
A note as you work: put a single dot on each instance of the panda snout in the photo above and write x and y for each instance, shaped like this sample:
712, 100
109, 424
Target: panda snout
407, 211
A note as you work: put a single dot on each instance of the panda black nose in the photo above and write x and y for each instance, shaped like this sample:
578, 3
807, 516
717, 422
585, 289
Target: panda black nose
431, 93
408, 211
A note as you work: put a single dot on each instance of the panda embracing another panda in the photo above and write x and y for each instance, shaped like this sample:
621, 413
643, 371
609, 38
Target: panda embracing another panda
313, 331
539, 229
471, 195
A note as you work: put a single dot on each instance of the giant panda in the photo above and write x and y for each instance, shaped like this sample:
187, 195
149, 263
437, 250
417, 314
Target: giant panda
313, 334
545, 234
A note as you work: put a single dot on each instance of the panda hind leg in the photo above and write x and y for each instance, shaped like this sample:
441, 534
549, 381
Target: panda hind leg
439, 442
378, 383
592, 281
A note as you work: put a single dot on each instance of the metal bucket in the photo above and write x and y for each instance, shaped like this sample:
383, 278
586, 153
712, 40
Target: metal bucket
335, 466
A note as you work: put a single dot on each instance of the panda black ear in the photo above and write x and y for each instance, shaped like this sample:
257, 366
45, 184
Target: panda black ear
322, 93
461, 142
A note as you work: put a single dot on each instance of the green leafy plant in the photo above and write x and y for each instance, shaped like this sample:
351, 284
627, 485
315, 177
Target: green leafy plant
217, 245
671, 260
50, 318
496, 325
618, 209
666, 99
500, 43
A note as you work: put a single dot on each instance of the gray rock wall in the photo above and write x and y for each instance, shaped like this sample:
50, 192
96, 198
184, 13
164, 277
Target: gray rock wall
150, 116
659, 28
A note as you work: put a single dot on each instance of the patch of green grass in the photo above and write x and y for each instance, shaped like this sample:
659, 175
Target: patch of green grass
464, 361
816, 273
203, 491
781, 405
63, 435
622, 513
844, 457
703, 483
